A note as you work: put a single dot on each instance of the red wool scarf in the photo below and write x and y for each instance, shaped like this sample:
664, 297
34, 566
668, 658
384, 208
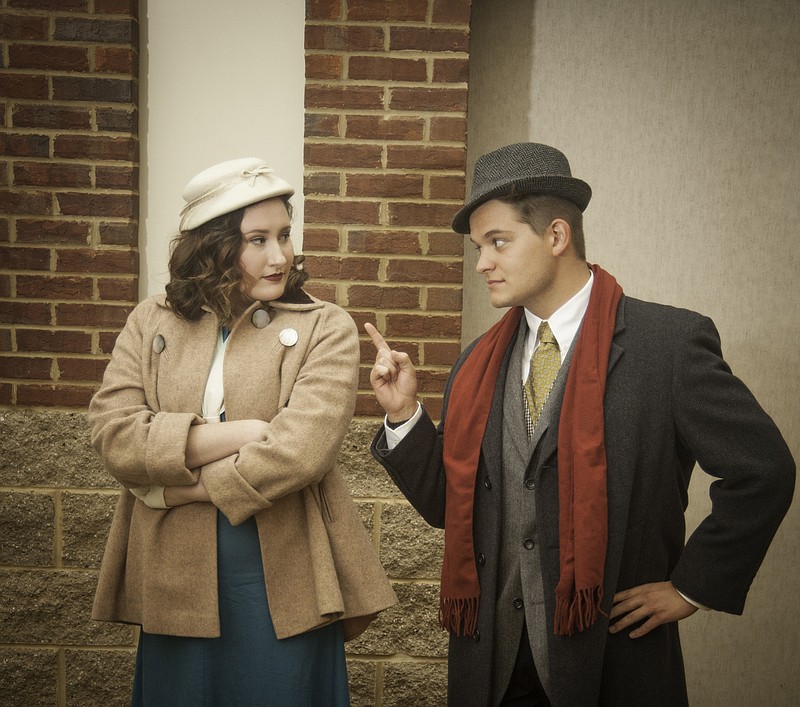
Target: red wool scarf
583, 505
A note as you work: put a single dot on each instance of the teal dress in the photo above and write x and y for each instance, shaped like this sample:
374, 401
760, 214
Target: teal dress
247, 666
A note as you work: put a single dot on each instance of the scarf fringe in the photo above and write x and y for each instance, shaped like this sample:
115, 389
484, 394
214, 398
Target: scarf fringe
578, 612
459, 616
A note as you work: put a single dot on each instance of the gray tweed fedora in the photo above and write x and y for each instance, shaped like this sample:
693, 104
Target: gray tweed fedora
522, 168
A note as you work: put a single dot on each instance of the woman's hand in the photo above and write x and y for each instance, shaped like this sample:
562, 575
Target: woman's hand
181, 495
393, 378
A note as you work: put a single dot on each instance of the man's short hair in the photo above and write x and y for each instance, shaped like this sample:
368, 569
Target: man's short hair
540, 210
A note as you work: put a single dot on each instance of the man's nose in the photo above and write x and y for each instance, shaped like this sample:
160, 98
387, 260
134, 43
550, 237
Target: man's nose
484, 263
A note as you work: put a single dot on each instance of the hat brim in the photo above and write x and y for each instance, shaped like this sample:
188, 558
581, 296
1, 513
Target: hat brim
235, 198
575, 190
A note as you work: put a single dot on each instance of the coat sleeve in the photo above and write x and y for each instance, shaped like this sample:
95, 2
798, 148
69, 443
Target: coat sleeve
416, 467
139, 446
734, 440
416, 464
304, 438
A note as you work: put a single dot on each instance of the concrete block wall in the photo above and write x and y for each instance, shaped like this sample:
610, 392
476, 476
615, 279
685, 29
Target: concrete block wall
56, 504
386, 90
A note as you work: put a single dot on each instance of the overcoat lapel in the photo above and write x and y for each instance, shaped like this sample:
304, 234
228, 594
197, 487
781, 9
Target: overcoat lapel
493, 437
514, 425
181, 371
616, 351
621, 472
492, 443
549, 419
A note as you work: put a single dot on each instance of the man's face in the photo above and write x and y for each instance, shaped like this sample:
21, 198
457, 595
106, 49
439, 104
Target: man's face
518, 265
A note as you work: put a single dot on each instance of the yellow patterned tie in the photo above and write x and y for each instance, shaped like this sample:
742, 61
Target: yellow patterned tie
545, 362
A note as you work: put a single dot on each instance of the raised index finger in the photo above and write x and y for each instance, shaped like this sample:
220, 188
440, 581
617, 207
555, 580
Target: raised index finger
377, 340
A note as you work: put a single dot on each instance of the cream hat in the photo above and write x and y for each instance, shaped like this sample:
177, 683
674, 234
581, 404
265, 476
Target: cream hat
228, 186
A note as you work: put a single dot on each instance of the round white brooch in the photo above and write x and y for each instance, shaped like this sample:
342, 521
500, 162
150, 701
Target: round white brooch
288, 337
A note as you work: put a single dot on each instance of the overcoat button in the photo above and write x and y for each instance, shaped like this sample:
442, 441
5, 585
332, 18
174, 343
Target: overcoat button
481, 559
288, 337
528, 543
487, 482
530, 484
518, 603
260, 318
159, 344
476, 636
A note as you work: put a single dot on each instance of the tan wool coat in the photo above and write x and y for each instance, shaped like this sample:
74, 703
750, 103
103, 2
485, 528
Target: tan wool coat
160, 566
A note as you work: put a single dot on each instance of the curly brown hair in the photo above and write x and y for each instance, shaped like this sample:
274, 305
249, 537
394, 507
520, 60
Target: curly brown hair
204, 268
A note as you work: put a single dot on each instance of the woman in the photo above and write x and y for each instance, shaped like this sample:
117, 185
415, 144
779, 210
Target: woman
236, 546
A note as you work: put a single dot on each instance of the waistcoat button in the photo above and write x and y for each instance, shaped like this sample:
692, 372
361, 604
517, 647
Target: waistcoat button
528, 543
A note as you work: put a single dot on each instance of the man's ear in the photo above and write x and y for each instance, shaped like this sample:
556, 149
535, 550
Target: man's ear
562, 236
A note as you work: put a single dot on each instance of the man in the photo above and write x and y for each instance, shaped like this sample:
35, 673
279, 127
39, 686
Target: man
561, 466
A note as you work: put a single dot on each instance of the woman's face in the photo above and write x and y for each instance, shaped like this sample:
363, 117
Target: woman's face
267, 253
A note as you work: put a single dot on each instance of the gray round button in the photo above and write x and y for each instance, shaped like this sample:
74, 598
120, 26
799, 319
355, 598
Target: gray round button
260, 318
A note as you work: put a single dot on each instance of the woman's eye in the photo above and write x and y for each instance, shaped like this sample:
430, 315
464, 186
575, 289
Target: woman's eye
499, 242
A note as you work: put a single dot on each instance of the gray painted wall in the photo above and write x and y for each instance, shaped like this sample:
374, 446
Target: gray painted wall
684, 118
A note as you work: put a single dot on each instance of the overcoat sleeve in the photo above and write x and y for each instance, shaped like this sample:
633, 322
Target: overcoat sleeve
734, 440
304, 437
416, 464
138, 445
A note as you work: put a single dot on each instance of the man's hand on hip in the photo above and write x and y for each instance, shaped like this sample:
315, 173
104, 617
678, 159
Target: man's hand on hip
655, 604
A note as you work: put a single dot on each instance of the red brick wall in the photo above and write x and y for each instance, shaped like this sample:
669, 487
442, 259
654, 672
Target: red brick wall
69, 177
385, 132
386, 94
385, 153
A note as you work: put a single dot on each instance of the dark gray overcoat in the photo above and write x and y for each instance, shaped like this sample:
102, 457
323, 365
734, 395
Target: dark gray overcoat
671, 401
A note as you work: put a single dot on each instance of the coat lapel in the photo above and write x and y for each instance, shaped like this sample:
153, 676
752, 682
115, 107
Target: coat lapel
616, 350
514, 424
549, 419
181, 371
492, 444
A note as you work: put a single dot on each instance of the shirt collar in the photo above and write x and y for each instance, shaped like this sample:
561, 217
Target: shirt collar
564, 322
